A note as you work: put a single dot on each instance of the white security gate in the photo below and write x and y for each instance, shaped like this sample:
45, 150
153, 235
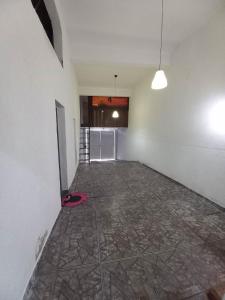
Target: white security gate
103, 144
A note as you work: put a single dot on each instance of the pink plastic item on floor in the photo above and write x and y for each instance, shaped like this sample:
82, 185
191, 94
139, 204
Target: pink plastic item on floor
66, 199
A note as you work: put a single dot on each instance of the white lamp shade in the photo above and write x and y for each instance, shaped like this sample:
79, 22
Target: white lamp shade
115, 114
159, 81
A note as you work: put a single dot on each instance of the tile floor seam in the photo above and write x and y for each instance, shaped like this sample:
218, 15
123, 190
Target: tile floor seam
195, 231
54, 281
99, 254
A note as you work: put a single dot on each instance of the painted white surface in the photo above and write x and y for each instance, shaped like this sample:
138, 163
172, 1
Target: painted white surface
103, 91
95, 75
121, 143
31, 78
128, 31
172, 130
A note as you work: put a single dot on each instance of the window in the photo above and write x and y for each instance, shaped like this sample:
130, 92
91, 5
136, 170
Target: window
48, 15
43, 15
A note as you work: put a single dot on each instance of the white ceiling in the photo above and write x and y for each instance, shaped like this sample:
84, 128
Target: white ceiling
128, 31
102, 75
110, 36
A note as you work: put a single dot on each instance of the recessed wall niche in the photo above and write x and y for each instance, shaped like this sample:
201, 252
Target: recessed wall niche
49, 18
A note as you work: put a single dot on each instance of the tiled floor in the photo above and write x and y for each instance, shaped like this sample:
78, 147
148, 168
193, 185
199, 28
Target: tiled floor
141, 236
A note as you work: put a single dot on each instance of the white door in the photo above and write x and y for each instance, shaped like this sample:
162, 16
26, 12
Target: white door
103, 144
95, 144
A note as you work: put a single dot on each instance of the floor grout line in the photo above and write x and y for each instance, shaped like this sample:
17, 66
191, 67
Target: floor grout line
99, 253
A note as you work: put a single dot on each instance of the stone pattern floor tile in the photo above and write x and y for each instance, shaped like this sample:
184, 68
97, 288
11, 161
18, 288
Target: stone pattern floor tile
79, 249
76, 284
141, 236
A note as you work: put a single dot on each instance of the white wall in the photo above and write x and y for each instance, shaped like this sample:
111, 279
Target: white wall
121, 143
104, 91
178, 131
31, 79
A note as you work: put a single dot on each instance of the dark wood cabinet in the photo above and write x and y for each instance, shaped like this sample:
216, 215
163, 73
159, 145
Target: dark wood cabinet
97, 111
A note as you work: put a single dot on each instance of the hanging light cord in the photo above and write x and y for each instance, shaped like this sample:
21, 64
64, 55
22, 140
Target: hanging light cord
115, 85
161, 42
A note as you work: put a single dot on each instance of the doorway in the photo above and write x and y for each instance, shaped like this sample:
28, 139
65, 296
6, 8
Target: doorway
61, 140
75, 140
103, 144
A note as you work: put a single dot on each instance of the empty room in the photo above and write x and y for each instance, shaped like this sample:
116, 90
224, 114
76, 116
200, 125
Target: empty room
112, 150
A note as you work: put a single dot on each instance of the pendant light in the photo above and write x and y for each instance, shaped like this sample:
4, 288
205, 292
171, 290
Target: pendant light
160, 81
115, 114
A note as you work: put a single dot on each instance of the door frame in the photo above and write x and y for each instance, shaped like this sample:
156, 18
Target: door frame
61, 140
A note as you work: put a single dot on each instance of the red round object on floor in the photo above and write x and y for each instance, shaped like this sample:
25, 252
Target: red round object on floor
66, 199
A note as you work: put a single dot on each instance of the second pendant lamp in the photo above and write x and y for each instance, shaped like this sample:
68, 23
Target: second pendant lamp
160, 81
115, 113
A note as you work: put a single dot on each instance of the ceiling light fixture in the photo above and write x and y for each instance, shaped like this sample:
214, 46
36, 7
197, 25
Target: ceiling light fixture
115, 114
160, 81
